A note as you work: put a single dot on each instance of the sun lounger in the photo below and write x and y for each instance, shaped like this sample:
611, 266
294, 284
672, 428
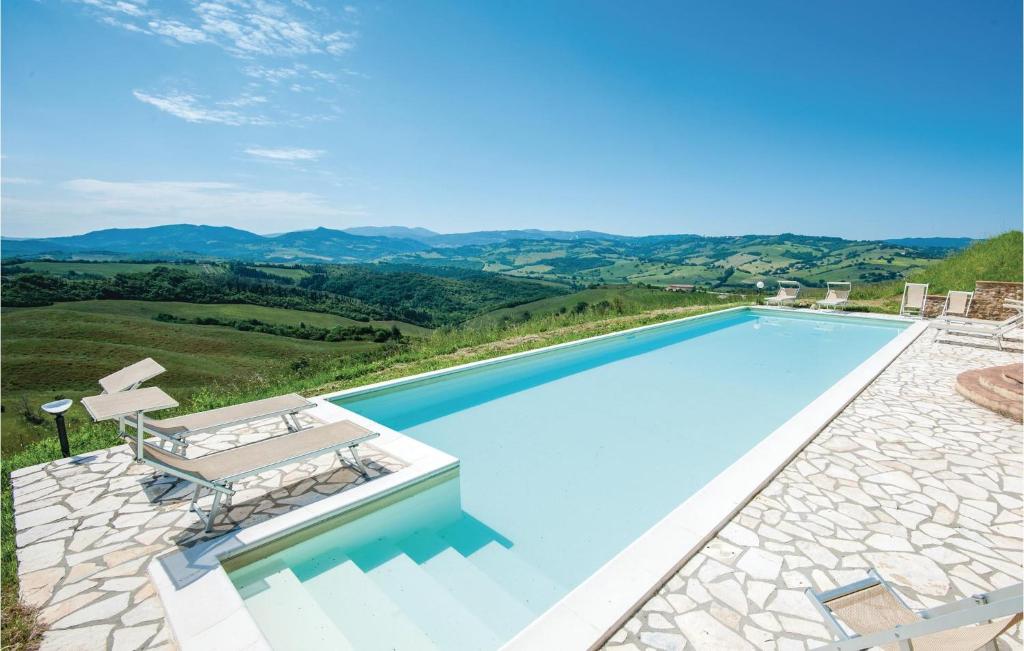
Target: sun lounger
876, 616
789, 290
993, 331
915, 295
176, 430
836, 296
957, 303
219, 470
130, 377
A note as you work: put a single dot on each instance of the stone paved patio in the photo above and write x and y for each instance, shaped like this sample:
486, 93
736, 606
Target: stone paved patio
910, 478
89, 526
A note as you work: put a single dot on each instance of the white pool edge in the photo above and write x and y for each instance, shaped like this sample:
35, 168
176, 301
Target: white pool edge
594, 610
208, 612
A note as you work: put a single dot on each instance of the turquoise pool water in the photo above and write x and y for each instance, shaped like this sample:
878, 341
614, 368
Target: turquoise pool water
566, 457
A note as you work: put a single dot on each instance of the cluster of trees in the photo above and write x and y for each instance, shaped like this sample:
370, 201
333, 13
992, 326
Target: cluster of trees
301, 331
170, 284
358, 292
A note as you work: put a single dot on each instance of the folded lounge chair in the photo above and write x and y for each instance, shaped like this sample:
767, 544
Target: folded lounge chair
990, 330
837, 295
175, 430
219, 470
915, 295
130, 377
789, 290
957, 303
878, 617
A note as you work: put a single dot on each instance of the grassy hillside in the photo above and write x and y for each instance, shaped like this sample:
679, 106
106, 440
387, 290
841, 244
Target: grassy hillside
628, 299
63, 350
149, 309
999, 258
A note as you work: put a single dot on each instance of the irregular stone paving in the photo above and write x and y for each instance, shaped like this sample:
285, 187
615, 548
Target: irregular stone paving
87, 528
911, 479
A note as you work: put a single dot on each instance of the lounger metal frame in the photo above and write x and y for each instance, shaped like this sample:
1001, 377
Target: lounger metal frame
221, 488
973, 610
179, 444
992, 330
967, 308
782, 300
905, 309
839, 286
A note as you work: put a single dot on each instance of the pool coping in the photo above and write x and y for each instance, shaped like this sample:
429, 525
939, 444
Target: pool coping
205, 611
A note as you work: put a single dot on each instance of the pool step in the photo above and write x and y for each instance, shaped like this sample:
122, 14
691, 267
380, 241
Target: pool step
359, 607
426, 601
994, 388
284, 602
478, 592
523, 580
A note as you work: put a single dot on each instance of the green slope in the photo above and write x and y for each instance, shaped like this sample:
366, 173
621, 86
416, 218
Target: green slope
999, 258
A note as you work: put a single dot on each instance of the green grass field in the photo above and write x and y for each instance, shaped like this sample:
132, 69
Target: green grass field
630, 299
229, 311
109, 268
64, 349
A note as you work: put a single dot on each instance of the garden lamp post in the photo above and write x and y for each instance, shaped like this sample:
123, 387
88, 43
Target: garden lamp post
57, 408
760, 286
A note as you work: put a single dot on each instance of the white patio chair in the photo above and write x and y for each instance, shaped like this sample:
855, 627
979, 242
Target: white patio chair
915, 295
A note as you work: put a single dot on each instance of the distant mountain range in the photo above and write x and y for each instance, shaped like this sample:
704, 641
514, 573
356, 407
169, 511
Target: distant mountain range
360, 244
561, 256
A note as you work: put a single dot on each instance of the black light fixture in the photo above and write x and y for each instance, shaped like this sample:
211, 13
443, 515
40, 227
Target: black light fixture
57, 408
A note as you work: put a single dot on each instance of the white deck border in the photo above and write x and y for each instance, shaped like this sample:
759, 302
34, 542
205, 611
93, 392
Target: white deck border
206, 612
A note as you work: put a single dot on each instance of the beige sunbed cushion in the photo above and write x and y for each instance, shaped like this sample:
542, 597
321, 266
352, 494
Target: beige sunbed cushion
230, 415
246, 459
915, 295
958, 303
129, 376
872, 610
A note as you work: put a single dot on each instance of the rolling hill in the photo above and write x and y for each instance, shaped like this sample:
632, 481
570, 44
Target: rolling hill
571, 258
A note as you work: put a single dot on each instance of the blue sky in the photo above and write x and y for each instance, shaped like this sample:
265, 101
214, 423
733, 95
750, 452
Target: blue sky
856, 119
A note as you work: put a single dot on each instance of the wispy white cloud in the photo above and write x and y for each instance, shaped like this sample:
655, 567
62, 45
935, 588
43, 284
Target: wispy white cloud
244, 28
178, 31
285, 154
190, 108
17, 180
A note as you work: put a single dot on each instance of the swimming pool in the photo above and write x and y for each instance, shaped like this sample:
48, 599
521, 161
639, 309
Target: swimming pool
566, 456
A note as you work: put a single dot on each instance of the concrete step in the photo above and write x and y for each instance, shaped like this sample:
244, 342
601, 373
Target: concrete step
278, 602
995, 380
969, 385
1014, 373
369, 618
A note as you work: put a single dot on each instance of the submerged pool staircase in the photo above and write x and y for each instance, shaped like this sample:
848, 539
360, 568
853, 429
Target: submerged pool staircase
451, 588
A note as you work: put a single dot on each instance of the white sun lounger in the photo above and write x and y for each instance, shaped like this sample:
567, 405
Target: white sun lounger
877, 616
789, 290
219, 470
915, 295
130, 377
957, 303
176, 430
993, 331
836, 296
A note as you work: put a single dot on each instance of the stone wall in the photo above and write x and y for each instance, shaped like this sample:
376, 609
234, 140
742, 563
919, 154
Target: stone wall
989, 297
933, 305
